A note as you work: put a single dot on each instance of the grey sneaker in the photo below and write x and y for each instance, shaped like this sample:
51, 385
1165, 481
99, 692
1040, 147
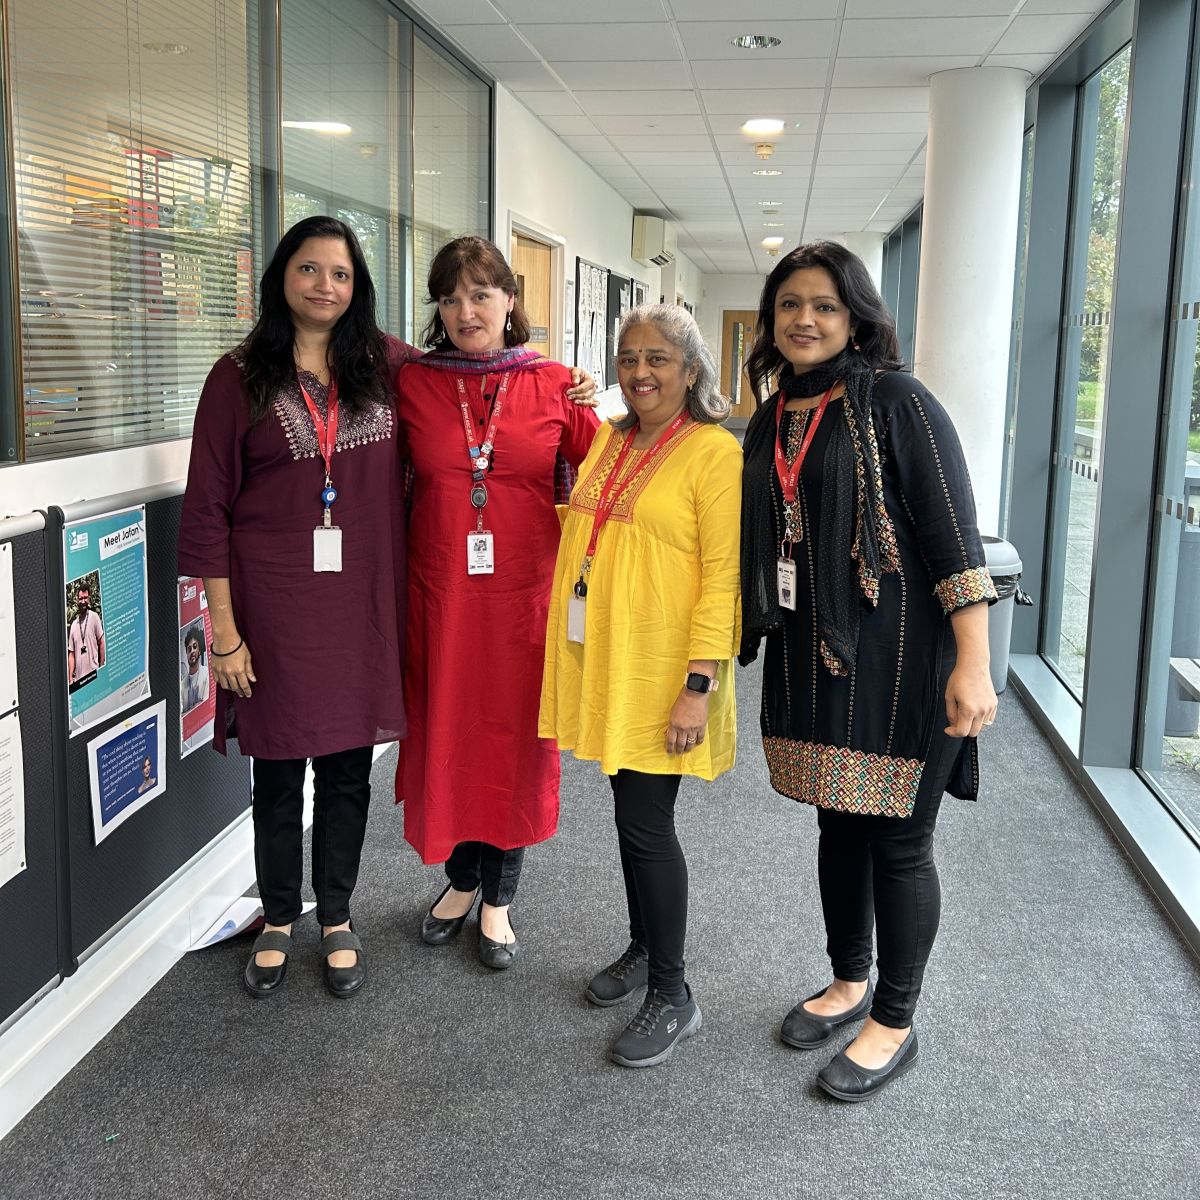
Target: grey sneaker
619, 979
651, 1035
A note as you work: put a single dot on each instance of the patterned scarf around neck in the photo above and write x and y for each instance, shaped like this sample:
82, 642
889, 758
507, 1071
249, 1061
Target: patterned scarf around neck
483, 362
857, 542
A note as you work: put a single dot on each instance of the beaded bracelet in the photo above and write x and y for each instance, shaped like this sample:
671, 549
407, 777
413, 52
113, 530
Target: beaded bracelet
227, 653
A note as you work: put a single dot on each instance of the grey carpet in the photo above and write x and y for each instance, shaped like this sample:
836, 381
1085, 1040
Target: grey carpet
1058, 1030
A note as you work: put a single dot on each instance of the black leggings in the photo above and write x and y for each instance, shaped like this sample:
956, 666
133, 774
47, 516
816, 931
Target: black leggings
341, 798
656, 877
880, 871
481, 865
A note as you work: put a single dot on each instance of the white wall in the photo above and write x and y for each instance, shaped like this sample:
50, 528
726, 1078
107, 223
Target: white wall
718, 293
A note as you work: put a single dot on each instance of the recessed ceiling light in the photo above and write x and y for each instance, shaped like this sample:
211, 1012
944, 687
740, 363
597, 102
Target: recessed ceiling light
334, 127
764, 171
769, 203
770, 242
165, 47
755, 41
773, 224
761, 125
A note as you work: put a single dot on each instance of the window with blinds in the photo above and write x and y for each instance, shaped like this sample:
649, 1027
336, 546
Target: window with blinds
133, 134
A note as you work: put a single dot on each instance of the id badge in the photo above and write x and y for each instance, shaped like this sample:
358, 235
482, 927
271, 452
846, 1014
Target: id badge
327, 548
785, 578
481, 553
576, 615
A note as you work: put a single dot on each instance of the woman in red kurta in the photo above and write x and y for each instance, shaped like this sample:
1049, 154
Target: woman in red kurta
485, 421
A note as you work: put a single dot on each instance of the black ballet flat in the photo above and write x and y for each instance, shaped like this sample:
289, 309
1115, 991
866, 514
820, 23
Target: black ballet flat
846, 1080
437, 931
261, 982
807, 1030
498, 955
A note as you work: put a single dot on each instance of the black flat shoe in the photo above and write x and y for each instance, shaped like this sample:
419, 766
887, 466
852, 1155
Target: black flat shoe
807, 1030
846, 1080
343, 981
498, 955
437, 931
261, 982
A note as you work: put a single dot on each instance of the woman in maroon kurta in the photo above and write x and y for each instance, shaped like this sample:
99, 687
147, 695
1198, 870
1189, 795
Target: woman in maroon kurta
478, 784
324, 681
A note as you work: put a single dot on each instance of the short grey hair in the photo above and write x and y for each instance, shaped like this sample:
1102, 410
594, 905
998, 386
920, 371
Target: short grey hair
704, 400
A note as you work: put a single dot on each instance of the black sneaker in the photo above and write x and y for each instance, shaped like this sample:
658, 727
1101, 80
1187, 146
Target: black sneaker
651, 1035
619, 979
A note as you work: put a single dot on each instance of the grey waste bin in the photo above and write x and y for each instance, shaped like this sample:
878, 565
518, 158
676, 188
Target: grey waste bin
1005, 568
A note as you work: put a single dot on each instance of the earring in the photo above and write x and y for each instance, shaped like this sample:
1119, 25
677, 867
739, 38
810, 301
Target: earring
857, 347
508, 324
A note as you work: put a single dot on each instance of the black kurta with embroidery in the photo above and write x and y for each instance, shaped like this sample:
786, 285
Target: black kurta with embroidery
860, 740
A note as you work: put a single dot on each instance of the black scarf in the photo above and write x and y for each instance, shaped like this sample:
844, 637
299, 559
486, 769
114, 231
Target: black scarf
857, 541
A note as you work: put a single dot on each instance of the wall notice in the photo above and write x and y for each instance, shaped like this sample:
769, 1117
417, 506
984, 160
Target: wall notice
197, 693
107, 616
127, 766
12, 799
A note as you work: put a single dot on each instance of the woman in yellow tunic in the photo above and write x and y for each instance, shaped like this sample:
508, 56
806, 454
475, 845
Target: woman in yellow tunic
640, 641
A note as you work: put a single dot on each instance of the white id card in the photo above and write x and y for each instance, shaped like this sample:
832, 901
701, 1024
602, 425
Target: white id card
785, 578
327, 548
576, 614
481, 553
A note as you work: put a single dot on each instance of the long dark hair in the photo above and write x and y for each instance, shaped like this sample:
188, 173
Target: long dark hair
874, 326
478, 260
356, 349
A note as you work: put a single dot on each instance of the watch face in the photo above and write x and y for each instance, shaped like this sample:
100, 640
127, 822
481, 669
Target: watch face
698, 683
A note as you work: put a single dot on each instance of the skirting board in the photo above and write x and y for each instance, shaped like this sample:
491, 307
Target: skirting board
58, 1030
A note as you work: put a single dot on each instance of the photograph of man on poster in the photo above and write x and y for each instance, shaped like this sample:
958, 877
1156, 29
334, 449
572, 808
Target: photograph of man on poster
193, 686
85, 630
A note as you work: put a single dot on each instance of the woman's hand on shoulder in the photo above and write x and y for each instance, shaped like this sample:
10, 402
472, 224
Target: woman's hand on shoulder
970, 699
234, 672
583, 389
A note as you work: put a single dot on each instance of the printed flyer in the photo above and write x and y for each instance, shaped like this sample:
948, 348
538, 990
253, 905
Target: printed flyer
127, 767
197, 691
107, 616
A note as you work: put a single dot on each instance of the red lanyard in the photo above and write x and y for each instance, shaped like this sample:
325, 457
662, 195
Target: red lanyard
326, 429
789, 477
612, 491
481, 456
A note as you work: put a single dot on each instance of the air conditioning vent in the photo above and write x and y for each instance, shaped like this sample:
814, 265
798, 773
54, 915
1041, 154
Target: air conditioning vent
653, 240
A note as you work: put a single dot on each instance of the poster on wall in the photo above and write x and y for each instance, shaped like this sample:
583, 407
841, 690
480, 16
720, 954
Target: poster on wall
641, 293
107, 627
591, 298
197, 692
569, 322
127, 768
12, 799
8, 632
618, 302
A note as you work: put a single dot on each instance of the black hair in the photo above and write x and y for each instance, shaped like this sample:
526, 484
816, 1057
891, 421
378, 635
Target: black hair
873, 324
478, 260
195, 634
356, 350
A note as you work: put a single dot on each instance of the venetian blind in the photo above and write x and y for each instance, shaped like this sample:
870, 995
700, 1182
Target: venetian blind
132, 131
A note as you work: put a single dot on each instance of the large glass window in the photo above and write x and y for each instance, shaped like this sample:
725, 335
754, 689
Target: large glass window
347, 87
137, 256
1100, 145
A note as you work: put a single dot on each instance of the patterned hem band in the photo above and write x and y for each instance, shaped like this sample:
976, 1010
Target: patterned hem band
845, 780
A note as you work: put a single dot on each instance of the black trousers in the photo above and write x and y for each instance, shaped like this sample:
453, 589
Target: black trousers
880, 871
481, 865
341, 799
656, 876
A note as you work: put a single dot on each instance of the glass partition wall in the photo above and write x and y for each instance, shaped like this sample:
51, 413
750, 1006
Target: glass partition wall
149, 163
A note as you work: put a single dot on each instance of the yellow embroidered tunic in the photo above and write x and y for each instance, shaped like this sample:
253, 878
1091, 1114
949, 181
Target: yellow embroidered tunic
663, 590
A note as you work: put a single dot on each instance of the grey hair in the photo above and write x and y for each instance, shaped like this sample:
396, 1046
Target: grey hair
704, 400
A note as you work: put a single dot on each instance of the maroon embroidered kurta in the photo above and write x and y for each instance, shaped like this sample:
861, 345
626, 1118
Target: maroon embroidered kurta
473, 767
326, 647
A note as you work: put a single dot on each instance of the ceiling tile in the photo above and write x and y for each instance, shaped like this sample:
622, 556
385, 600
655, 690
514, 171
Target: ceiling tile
717, 74
862, 161
584, 144
650, 122
491, 43
576, 124
531, 77
895, 72
878, 99
728, 125
1042, 34
549, 104
703, 157
798, 39
880, 122
1057, 7
540, 12
1034, 64
747, 103
621, 74
457, 12
930, 8
900, 37
597, 43
635, 102
667, 144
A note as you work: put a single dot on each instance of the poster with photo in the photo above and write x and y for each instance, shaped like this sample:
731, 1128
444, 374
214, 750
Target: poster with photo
107, 626
197, 691
127, 768
591, 298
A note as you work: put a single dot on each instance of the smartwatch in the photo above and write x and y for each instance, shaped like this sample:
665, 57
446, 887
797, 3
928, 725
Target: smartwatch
697, 682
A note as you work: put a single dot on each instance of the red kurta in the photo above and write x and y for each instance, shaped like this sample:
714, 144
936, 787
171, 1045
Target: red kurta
473, 767
326, 647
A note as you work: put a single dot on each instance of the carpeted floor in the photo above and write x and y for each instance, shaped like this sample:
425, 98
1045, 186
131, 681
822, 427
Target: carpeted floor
1060, 1055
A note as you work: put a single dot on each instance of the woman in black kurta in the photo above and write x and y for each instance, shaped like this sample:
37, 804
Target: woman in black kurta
886, 643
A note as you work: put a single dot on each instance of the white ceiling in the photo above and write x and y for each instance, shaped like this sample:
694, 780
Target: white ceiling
652, 94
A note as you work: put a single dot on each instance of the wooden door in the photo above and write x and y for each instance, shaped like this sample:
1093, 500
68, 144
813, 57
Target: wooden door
531, 263
737, 336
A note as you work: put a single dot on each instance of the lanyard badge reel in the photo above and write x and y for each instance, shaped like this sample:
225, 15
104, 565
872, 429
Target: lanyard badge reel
327, 537
481, 546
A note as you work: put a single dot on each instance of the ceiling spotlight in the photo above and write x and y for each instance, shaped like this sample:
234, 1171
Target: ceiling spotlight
755, 41
769, 203
762, 125
773, 224
770, 243
334, 127
765, 171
